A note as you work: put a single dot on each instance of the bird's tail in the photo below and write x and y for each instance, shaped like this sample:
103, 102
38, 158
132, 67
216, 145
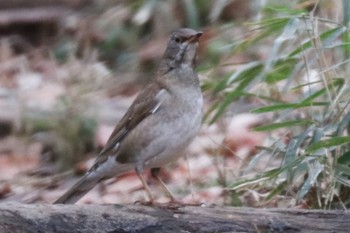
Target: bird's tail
104, 171
84, 185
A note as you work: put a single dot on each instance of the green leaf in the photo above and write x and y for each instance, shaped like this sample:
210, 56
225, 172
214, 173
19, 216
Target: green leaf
342, 169
249, 70
284, 10
277, 107
346, 44
315, 169
235, 201
221, 107
281, 70
271, 22
245, 182
317, 135
289, 30
330, 86
342, 179
294, 144
233, 95
215, 86
268, 175
333, 46
313, 96
344, 158
279, 189
264, 28
332, 38
327, 36
273, 108
284, 124
296, 88
334, 141
343, 124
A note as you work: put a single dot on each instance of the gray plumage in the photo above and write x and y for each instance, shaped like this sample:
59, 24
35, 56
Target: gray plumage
160, 123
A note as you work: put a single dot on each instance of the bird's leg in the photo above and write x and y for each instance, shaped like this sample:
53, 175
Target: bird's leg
155, 174
139, 172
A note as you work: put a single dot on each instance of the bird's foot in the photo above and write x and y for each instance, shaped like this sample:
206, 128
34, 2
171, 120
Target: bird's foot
147, 203
178, 203
164, 205
173, 204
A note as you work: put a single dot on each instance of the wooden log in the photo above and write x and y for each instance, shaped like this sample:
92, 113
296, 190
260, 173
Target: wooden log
36, 218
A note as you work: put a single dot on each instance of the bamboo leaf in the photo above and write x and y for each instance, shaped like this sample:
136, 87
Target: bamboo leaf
285, 10
278, 107
343, 124
221, 107
273, 108
317, 135
334, 141
294, 144
279, 189
313, 96
249, 70
315, 169
326, 36
346, 44
266, 28
271, 22
268, 175
344, 158
281, 70
284, 124
342, 169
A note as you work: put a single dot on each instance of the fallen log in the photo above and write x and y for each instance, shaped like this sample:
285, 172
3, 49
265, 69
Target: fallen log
15, 217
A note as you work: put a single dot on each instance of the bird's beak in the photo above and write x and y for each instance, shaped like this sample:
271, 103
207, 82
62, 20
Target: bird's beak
195, 37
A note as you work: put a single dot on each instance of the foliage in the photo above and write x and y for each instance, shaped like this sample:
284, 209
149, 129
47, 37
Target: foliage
303, 84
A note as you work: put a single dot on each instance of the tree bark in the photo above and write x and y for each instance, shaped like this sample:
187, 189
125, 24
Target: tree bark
17, 218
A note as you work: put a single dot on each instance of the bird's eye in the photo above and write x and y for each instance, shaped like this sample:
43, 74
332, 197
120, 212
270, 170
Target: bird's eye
177, 40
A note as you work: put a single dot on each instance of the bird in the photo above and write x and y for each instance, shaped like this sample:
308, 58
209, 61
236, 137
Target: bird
158, 126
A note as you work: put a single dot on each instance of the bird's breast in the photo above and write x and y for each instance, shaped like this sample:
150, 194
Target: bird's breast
178, 124
163, 136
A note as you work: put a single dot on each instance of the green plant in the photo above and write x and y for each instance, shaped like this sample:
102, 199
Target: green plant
303, 84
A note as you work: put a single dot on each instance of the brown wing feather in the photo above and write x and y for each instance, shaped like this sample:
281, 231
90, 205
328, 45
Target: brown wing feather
141, 108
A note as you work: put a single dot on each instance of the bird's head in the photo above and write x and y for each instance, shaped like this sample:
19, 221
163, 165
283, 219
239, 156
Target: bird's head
181, 49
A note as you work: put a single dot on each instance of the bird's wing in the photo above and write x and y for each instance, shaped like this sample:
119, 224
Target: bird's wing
143, 106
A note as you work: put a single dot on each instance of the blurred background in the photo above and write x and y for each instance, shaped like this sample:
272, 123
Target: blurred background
274, 75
